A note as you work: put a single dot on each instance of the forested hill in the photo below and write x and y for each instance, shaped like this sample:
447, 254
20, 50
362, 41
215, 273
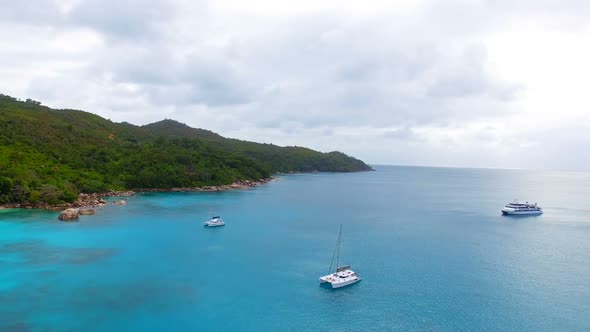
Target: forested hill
280, 159
50, 156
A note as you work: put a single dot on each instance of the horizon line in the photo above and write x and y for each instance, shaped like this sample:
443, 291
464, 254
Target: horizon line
490, 168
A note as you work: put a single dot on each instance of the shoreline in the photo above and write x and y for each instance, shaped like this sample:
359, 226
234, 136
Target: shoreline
93, 200
242, 184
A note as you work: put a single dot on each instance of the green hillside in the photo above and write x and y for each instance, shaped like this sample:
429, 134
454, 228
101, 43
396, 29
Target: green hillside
50, 156
280, 159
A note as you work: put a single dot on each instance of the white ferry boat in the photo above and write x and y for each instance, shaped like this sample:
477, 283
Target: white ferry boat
516, 208
343, 276
214, 222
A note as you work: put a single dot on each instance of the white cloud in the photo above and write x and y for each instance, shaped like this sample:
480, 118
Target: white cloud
454, 83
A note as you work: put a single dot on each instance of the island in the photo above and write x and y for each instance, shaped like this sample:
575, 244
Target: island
52, 157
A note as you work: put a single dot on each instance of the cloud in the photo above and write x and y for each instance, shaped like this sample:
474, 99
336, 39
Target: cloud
42, 12
360, 73
128, 20
403, 133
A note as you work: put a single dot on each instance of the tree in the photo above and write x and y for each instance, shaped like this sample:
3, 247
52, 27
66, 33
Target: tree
5, 186
50, 194
31, 101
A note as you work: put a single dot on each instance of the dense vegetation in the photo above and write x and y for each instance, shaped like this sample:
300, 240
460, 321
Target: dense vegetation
50, 156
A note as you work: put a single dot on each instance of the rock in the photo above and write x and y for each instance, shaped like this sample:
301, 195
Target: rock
87, 212
120, 202
112, 193
69, 215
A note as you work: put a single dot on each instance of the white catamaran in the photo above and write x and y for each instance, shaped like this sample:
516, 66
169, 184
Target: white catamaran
343, 276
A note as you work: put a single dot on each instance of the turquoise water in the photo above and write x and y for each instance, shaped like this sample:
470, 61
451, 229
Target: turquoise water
430, 243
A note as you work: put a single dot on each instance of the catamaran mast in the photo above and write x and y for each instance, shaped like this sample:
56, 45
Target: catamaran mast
336, 253
338, 246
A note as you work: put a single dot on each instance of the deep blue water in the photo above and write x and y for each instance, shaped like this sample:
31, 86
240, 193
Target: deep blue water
433, 250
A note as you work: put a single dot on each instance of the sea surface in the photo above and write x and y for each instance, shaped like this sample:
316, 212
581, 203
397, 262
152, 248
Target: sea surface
433, 250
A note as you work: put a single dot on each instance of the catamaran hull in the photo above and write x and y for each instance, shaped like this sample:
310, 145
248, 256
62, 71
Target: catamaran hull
345, 283
326, 280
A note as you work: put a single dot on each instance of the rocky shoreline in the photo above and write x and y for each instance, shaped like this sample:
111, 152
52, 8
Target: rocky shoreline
92, 200
242, 184
87, 202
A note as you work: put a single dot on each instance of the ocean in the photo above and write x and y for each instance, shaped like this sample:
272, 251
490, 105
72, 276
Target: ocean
431, 245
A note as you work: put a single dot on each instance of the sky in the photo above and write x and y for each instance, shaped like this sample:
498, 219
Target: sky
482, 83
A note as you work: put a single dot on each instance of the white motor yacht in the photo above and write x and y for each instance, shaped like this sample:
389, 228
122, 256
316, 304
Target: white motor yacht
214, 222
516, 208
343, 276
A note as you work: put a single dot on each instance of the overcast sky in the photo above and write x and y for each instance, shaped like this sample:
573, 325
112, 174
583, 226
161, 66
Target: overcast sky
444, 83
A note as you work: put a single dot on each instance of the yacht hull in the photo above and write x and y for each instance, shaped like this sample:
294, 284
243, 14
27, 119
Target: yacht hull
512, 212
207, 224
